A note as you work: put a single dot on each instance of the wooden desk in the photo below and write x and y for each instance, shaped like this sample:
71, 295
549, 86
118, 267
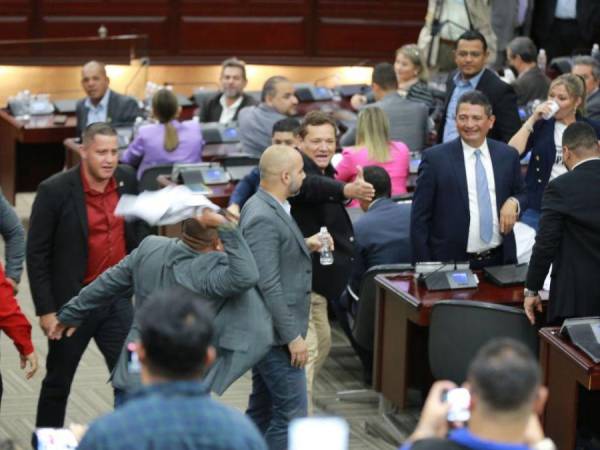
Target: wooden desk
402, 317
30, 151
564, 369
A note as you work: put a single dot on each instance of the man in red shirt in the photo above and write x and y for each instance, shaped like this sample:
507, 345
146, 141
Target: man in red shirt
12, 321
74, 236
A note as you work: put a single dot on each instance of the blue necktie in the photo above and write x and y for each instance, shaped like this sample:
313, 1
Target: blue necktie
486, 221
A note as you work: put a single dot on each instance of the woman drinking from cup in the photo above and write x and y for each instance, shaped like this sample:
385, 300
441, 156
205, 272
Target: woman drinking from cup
541, 134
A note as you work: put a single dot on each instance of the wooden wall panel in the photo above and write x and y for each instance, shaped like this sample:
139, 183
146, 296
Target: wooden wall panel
186, 31
242, 36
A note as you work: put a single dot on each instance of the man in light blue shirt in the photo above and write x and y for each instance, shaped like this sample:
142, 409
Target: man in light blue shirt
97, 112
462, 85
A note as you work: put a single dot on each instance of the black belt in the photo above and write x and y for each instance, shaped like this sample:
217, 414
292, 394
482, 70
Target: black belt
486, 254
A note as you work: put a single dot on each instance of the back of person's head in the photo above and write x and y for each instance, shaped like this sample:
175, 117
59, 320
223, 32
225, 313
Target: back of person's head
315, 119
373, 132
473, 35
165, 108
476, 98
198, 236
275, 160
270, 87
384, 76
175, 332
505, 377
524, 47
234, 62
287, 125
581, 139
415, 56
98, 128
380, 180
575, 87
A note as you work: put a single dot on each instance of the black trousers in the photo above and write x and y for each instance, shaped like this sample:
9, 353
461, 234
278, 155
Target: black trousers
108, 326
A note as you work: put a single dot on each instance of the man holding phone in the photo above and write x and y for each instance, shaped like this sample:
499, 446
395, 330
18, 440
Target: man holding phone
505, 398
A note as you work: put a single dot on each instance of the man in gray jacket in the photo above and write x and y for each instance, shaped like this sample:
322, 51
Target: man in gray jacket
196, 262
282, 255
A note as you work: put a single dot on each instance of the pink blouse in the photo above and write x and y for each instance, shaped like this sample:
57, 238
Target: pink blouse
397, 167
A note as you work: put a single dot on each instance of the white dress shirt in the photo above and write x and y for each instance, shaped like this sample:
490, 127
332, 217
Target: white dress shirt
228, 112
475, 244
566, 9
98, 113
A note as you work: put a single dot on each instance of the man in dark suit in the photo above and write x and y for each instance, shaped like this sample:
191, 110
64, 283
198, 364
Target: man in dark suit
531, 83
588, 68
569, 234
225, 106
382, 234
470, 56
103, 104
562, 27
73, 237
283, 259
469, 194
319, 203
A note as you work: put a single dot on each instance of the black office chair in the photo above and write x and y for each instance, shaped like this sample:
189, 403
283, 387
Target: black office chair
149, 182
459, 328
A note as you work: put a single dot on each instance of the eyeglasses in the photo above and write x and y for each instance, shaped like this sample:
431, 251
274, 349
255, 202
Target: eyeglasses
464, 54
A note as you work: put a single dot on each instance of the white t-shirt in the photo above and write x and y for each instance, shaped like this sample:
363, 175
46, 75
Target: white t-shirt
558, 168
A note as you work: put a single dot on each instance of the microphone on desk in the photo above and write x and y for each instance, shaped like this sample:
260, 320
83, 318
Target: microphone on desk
144, 62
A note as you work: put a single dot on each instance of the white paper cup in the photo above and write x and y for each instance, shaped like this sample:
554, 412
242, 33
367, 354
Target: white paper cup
553, 108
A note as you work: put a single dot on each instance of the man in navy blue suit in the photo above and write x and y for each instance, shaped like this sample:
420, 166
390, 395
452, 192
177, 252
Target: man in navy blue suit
469, 194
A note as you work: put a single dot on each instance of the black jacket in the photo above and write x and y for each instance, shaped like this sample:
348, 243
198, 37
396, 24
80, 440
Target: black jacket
569, 239
122, 111
212, 109
57, 240
321, 203
504, 105
588, 19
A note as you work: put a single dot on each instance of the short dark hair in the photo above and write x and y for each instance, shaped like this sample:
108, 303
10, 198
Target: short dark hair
315, 118
270, 86
380, 180
505, 375
384, 75
101, 128
234, 62
580, 138
475, 98
176, 330
287, 125
472, 35
523, 47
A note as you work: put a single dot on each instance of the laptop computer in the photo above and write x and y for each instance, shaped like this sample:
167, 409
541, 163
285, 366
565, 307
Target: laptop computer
507, 275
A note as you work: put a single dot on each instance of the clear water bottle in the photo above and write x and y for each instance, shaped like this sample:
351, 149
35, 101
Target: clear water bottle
326, 253
595, 50
542, 60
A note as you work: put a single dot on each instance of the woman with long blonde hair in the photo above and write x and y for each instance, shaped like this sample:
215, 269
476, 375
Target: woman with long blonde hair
541, 134
374, 148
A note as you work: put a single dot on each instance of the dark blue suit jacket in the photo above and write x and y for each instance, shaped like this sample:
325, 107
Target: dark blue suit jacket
440, 211
382, 236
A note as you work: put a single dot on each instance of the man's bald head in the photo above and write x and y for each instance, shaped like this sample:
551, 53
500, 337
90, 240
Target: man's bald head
281, 170
277, 159
94, 80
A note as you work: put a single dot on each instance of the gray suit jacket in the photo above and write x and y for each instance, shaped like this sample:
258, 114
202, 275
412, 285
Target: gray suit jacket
592, 106
243, 330
255, 126
122, 111
408, 122
283, 261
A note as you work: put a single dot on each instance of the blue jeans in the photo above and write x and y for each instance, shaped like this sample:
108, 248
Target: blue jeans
531, 217
278, 396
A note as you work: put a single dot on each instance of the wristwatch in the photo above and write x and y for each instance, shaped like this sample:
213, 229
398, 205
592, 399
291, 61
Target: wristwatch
529, 293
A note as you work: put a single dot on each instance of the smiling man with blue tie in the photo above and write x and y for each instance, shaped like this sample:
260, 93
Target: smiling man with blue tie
469, 194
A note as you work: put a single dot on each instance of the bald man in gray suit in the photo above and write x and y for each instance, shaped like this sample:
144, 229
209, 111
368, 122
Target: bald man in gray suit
282, 255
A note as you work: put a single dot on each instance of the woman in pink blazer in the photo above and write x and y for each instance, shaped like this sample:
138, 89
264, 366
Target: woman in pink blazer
374, 148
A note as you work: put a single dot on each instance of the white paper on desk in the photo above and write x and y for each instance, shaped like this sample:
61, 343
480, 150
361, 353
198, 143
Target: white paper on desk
166, 206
